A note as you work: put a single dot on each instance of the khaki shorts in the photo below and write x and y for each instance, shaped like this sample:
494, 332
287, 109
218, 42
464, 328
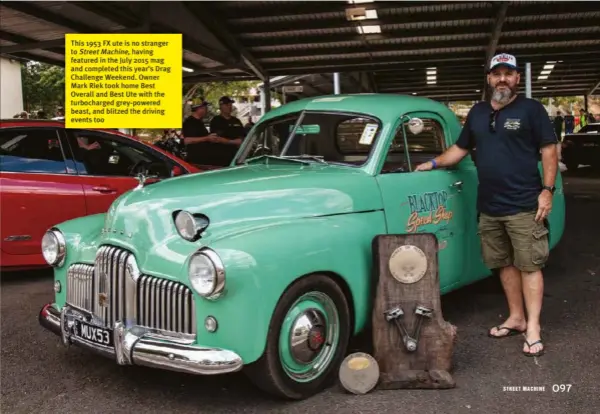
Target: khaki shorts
514, 240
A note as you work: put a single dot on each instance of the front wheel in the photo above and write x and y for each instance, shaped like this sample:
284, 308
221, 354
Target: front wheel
307, 339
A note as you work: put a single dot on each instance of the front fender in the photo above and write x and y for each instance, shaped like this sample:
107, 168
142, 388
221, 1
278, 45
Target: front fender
261, 264
81, 237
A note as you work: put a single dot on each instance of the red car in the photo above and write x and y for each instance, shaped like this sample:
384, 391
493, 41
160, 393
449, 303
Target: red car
49, 174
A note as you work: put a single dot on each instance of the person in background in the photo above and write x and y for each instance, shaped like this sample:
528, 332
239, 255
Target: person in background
558, 125
249, 125
569, 123
511, 134
583, 118
230, 129
200, 144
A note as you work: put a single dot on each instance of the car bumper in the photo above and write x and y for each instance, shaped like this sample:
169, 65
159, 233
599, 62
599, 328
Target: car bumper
139, 346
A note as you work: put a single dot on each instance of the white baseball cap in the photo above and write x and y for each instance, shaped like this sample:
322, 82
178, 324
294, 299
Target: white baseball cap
504, 59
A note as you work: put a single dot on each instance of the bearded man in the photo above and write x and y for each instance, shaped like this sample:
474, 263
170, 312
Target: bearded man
513, 202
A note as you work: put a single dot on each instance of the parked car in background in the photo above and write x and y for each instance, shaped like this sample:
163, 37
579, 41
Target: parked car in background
582, 147
49, 174
267, 265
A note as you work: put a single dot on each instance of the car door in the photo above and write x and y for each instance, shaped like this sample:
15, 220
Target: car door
107, 165
425, 202
37, 187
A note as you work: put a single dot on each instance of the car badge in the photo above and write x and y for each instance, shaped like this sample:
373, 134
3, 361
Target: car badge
103, 300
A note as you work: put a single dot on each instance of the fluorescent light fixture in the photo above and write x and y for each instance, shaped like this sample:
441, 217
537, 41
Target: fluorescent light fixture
477, 90
187, 69
544, 87
359, 13
548, 67
360, 1
431, 72
542, 77
371, 14
431, 82
414, 93
545, 72
367, 29
431, 77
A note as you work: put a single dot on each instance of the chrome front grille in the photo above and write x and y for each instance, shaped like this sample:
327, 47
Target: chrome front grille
109, 292
80, 282
165, 305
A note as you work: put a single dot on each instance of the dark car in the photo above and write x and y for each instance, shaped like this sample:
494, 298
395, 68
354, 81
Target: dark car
583, 147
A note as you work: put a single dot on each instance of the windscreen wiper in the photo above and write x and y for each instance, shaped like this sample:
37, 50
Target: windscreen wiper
318, 158
273, 157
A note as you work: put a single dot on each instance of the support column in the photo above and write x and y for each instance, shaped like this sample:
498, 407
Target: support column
528, 79
336, 83
585, 103
265, 97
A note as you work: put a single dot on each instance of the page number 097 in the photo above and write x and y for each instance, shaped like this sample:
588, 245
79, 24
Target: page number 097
561, 387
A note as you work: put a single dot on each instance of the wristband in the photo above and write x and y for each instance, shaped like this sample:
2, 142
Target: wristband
434, 163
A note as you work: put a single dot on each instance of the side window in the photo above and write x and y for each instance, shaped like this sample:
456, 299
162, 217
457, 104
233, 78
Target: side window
105, 155
422, 147
31, 150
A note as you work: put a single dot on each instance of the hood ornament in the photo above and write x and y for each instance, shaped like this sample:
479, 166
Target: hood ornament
142, 178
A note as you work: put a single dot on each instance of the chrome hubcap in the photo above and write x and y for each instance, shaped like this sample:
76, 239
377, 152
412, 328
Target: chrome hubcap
308, 335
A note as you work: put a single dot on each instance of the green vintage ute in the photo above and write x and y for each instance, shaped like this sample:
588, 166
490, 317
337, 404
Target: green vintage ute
266, 265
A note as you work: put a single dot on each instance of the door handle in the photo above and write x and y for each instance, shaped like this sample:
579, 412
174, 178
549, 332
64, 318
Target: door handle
103, 190
457, 185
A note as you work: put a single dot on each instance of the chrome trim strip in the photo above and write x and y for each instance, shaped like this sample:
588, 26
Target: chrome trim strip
139, 346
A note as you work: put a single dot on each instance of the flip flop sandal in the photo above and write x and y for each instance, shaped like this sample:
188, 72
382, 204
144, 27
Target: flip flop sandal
539, 353
511, 332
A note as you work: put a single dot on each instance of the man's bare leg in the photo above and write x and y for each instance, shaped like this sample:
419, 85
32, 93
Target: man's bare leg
510, 277
533, 291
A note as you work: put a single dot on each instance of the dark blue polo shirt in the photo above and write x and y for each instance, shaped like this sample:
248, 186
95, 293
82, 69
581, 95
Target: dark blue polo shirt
507, 157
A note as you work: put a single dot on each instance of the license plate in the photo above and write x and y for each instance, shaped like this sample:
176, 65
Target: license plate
95, 334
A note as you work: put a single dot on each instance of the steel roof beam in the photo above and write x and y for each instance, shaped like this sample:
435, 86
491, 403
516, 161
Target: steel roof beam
458, 52
47, 16
23, 47
439, 60
50, 45
24, 56
18, 39
594, 88
211, 19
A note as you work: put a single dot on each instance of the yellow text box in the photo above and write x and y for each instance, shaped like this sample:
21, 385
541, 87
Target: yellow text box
123, 81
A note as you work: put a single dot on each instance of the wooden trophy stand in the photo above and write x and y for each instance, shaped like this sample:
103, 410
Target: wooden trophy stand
408, 290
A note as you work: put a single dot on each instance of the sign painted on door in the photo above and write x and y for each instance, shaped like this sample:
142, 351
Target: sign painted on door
427, 208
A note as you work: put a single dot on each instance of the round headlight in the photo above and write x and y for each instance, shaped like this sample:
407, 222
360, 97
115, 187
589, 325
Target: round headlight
53, 247
207, 274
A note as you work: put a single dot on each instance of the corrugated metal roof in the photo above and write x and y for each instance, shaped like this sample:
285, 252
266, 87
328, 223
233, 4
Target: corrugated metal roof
280, 38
